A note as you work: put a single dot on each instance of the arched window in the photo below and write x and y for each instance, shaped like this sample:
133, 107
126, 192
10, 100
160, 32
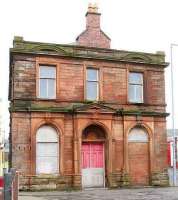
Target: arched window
47, 151
138, 134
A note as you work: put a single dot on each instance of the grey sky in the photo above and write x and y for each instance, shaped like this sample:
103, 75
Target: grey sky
139, 25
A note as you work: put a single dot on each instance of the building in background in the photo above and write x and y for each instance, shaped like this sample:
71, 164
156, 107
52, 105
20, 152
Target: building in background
170, 146
1, 139
86, 115
170, 154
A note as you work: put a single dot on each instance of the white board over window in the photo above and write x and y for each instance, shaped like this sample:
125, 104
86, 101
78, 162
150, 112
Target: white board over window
138, 135
47, 155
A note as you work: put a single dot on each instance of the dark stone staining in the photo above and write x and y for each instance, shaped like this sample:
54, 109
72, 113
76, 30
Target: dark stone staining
24, 79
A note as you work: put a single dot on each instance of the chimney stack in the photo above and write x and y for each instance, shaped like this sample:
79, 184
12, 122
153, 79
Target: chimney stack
92, 17
93, 36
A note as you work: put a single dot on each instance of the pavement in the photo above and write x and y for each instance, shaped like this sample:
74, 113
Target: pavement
170, 172
169, 193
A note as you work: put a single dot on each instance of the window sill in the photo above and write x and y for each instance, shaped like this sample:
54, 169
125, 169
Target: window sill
43, 99
137, 104
47, 175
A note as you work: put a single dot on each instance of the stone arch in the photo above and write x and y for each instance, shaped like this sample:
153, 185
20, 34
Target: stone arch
49, 123
141, 125
137, 134
54, 134
93, 132
99, 124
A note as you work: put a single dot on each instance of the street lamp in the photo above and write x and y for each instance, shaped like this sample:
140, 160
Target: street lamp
173, 116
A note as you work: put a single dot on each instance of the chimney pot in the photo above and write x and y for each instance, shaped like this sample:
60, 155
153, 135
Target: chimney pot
92, 8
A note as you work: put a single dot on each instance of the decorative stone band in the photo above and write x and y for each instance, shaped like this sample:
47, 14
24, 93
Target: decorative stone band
76, 51
19, 106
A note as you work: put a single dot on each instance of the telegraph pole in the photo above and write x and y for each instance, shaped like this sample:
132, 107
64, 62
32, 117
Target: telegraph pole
173, 115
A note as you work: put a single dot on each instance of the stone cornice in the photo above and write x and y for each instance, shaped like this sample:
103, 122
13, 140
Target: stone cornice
73, 51
86, 109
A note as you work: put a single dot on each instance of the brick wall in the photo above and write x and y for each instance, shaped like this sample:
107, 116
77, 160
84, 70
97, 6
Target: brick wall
155, 84
139, 168
68, 145
24, 77
160, 142
21, 147
71, 81
115, 83
140, 161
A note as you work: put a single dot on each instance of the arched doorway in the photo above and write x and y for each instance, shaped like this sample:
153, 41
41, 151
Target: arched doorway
93, 156
139, 159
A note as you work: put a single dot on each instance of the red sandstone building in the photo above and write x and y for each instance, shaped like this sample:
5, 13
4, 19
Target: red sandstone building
86, 115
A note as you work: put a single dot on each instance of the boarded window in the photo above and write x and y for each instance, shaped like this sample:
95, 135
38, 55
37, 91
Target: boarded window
47, 155
47, 82
92, 87
138, 135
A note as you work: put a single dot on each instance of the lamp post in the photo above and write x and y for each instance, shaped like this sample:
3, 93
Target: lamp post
173, 115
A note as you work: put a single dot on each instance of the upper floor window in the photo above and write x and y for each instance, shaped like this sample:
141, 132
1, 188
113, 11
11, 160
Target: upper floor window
47, 82
92, 85
135, 87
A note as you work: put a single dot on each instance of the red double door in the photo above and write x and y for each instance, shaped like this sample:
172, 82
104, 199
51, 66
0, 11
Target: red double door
93, 171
